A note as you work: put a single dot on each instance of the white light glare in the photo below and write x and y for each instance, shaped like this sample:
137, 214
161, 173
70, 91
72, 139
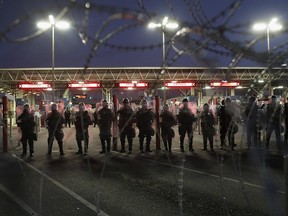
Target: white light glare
63, 25
43, 25
154, 25
272, 26
261, 81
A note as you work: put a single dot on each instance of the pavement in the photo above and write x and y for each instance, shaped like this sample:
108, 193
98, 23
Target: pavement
241, 182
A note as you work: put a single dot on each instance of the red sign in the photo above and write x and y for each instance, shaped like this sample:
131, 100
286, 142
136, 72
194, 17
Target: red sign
132, 85
83, 85
224, 84
180, 84
29, 86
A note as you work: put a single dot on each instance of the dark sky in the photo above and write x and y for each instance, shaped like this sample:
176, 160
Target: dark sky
137, 46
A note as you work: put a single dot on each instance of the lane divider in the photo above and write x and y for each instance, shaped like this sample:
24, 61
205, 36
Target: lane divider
69, 191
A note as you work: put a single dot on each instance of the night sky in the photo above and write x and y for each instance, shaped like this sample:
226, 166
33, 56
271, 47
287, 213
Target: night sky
137, 46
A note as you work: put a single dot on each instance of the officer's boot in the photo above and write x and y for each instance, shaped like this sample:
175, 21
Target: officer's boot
182, 143
130, 142
60, 144
141, 141
148, 141
80, 150
49, 147
165, 144
122, 146
169, 144
24, 149
190, 144
85, 146
108, 145
103, 146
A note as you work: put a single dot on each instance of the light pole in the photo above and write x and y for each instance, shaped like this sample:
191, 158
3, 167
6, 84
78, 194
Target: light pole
272, 26
163, 26
51, 24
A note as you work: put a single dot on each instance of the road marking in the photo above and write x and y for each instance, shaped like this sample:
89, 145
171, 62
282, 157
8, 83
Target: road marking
205, 173
69, 191
20, 202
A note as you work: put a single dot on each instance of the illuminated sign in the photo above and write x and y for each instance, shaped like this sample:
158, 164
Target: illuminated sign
81, 96
126, 85
224, 84
180, 84
141, 85
83, 85
132, 85
34, 86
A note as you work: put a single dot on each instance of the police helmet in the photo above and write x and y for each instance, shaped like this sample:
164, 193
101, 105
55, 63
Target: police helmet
144, 101
26, 106
81, 105
184, 100
54, 106
125, 101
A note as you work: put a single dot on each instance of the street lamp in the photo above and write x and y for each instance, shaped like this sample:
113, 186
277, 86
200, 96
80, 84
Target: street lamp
63, 25
164, 25
272, 26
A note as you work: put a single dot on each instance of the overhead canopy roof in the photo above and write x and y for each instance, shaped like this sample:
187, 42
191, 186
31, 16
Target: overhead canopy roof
202, 75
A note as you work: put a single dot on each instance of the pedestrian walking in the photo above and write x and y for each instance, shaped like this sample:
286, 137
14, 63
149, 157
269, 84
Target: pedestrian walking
207, 127
125, 124
186, 119
27, 125
82, 122
145, 118
105, 119
55, 122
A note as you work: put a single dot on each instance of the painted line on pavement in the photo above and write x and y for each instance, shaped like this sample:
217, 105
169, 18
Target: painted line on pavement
69, 191
205, 173
20, 202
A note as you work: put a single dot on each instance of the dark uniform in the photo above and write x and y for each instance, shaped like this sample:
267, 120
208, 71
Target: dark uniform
207, 126
230, 122
55, 122
67, 115
82, 122
27, 124
186, 119
105, 119
125, 124
167, 132
144, 119
273, 122
222, 123
95, 118
252, 123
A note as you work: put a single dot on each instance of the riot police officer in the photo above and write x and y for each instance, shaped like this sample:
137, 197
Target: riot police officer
55, 123
207, 126
144, 119
167, 132
186, 119
27, 125
125, 124
82, 122
67, 115
273, 114
105, 119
